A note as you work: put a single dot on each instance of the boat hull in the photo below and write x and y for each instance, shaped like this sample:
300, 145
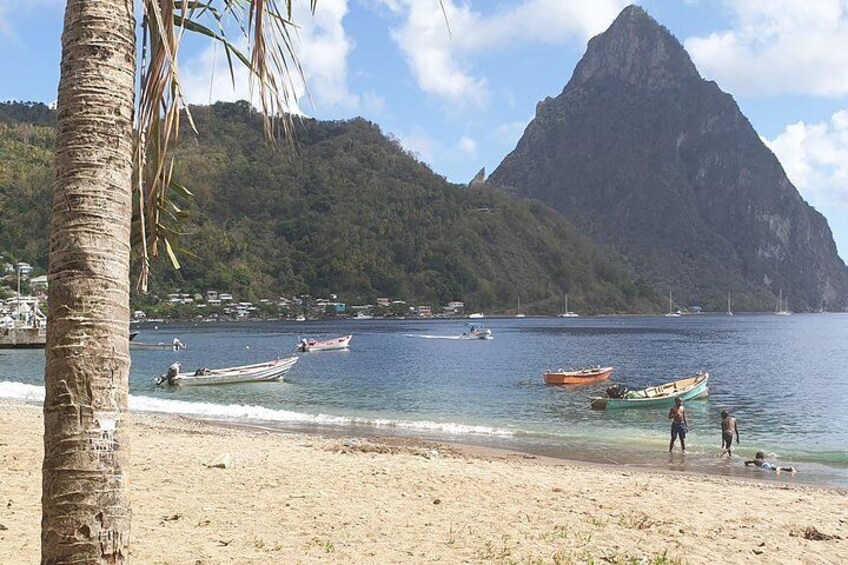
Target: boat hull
579, 377
661, 396
328, 345
260, 372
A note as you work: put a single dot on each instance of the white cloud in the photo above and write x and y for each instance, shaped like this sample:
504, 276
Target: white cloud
441, 60
467, 145
779, 46
323, 48
815, 158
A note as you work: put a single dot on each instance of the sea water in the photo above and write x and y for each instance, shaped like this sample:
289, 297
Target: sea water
785, 379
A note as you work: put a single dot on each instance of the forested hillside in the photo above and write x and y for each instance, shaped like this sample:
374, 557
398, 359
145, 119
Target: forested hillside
347, 212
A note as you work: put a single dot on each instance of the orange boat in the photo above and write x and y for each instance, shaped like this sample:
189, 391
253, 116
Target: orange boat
578, 377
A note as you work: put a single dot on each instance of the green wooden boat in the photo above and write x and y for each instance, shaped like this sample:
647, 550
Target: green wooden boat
661, 396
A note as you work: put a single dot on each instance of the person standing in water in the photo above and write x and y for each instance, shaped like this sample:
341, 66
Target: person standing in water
679, 425
728, 429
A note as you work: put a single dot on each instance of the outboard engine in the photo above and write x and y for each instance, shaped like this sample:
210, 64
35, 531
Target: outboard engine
616, 391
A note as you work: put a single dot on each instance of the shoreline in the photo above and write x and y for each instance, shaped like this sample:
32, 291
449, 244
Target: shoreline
650, 456
309, 498
675, 464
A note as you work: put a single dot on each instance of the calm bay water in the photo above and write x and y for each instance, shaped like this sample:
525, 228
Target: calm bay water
784, 378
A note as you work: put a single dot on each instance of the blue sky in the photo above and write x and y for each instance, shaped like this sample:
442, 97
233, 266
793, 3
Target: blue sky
461, 101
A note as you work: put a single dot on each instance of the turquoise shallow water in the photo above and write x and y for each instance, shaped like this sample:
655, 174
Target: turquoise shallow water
784, 378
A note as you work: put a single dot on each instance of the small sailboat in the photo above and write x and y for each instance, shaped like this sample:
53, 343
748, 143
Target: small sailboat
729, 311
671, 312
519, 315
782, 308
566, 313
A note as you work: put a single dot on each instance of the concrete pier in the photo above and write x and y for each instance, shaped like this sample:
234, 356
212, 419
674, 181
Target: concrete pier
26, 337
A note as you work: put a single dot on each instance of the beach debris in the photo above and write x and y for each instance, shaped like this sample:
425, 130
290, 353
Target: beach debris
813, 534
224, 461
3, 528
224, 543
172, 517
351, 443
437, 501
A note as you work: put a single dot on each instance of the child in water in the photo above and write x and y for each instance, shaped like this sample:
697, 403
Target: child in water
760, 461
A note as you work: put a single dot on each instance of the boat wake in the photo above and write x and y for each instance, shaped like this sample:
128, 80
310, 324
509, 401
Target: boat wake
425, 336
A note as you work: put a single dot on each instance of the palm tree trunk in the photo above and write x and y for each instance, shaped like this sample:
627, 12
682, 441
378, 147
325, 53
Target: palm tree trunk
85, 507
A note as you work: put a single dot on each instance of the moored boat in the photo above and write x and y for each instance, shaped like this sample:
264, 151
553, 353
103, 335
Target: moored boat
259, 372
655, 396
578, 376
313, 345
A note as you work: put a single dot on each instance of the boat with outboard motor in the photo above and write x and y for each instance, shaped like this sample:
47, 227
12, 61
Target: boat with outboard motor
259, 372
662, 396
477, 331
313, 345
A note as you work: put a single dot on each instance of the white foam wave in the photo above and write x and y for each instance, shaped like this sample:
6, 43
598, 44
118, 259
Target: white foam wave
20, 391
251, 413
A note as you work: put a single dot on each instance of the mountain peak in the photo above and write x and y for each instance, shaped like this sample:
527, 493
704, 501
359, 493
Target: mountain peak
637, 50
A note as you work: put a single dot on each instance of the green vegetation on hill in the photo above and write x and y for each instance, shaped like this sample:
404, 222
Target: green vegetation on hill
348, 212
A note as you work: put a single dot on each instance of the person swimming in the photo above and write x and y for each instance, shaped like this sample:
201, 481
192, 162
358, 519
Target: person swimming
760, 461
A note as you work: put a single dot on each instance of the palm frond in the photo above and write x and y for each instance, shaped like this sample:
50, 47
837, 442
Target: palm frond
270, 58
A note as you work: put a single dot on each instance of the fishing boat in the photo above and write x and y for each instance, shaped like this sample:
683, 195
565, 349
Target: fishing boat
314, 345
661, 396
476, 316
577, 376
477, 331
259, 372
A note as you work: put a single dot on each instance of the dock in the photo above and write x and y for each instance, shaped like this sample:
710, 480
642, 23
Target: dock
23, 337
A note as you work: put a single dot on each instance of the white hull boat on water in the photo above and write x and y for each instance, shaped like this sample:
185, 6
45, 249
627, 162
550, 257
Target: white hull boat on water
477, 331
312, 345
259, 372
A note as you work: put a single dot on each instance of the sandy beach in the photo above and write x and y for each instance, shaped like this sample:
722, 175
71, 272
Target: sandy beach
299, 498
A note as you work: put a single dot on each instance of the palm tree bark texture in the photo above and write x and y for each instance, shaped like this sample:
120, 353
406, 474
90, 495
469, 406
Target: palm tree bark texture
85, 507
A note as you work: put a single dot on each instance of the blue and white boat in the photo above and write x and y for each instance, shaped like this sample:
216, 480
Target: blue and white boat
477, 331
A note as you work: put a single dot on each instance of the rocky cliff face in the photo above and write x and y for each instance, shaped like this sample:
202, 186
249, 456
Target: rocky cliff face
645, 156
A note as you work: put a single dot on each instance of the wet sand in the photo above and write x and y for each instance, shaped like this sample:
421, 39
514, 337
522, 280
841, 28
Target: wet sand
305, 498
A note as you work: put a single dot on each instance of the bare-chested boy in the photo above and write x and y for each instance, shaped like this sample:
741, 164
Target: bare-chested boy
679, 426
728, 429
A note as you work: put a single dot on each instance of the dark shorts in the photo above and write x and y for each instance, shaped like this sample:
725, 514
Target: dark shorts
726, 441
678, 430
